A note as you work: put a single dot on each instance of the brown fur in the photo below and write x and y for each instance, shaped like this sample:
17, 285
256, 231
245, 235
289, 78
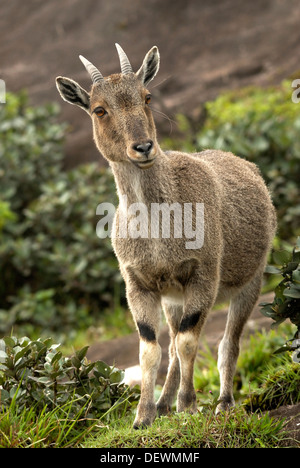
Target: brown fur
239, 222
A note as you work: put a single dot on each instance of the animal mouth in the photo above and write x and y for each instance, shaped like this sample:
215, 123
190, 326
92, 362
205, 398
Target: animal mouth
143, 164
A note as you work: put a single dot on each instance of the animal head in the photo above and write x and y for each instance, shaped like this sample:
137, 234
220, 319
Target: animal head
123, 126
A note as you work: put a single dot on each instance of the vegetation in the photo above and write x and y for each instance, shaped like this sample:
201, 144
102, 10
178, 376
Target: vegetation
261, 125
260, 376
49, 401
56, 274
57, 278
286, 303
203, 430
281, 387
38, 383
257, 358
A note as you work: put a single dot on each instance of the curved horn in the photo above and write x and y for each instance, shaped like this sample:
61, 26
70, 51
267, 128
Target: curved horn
92, 70
125, 64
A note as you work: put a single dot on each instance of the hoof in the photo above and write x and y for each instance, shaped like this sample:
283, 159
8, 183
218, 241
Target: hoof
143, 424
225, 405
163, 409
145, 416
187, 402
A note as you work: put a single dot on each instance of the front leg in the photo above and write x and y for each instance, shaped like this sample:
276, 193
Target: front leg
173, 315
199, 298
145, 307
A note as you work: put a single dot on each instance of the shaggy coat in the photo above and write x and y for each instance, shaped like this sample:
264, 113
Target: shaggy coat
162, 272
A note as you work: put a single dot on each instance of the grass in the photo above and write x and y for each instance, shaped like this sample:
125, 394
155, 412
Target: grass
280, 387
236, 429
35, 428
256, 361
241, 428
202, 430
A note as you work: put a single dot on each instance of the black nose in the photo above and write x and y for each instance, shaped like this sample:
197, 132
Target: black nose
143, 148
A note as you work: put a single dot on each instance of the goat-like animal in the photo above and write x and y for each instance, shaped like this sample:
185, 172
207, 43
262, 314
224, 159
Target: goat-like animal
160, 272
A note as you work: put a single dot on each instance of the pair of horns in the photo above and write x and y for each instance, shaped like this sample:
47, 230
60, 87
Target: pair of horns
97, 76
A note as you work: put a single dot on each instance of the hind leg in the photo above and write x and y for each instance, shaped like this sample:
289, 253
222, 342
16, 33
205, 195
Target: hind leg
240, 309
173, 315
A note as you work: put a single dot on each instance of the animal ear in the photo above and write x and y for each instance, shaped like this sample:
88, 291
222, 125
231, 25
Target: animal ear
71, 92
149, 67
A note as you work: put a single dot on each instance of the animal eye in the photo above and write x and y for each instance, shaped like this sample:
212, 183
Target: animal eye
148, 98
100, 112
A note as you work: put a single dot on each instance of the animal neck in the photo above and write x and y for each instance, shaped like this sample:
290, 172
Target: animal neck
142, 186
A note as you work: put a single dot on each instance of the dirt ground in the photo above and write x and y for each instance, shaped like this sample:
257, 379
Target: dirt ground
291, 414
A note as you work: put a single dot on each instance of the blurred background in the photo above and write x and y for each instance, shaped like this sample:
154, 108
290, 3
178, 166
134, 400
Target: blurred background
225, 81
206, 46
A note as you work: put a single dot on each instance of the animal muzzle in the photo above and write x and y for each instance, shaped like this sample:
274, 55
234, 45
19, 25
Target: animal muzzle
142, 154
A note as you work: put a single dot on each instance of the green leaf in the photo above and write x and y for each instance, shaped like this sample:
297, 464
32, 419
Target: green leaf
43, 380
290, 267
76, 362
116, 376
82, 352
56, 357
10, 341
281, 257
283, 349
22, 352
296, 276
102, 369
296, 256
4, 395
272, 270
3, 356
293, 292
48, 367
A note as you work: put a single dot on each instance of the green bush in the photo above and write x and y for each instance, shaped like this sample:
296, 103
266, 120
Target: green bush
35, 373
286, 303
30, 150
6, 215
261, 125
56, 274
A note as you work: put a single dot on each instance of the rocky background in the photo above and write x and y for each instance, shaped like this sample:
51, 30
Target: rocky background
206, 46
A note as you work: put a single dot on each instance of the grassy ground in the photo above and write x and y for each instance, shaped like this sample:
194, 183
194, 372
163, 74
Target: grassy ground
179, 430
238, 429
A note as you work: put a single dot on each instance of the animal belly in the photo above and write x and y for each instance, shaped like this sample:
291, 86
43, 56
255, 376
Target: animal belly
173, 297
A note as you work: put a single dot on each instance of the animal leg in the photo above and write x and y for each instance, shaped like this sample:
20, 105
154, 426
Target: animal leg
147, 311
199, 298
240, 309
173, 315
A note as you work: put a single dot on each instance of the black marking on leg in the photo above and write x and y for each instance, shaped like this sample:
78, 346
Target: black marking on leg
189, 322
146, 332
